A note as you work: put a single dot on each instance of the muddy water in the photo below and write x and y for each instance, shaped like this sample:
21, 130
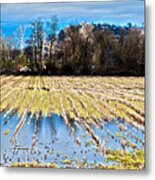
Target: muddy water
49, 140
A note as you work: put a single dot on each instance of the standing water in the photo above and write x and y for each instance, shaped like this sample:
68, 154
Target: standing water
49, 140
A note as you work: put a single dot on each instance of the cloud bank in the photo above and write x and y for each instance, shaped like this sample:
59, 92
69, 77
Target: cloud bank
12, 15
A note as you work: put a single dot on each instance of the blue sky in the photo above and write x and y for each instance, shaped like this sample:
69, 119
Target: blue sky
119, 12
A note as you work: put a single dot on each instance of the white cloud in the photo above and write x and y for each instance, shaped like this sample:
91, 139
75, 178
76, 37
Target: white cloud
116, 12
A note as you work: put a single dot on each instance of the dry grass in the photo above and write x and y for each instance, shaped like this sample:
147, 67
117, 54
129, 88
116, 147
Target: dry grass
90, 98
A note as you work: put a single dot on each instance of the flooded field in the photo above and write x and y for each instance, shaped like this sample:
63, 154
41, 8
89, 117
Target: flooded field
69, 122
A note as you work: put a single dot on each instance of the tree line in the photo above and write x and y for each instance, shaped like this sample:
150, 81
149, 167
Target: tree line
81, 49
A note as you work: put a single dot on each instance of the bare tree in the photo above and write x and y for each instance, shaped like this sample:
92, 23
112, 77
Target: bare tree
52, 27
19, 35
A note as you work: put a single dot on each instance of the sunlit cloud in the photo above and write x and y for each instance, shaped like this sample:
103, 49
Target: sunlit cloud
12, 15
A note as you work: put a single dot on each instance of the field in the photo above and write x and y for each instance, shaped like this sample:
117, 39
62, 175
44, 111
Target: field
74, 122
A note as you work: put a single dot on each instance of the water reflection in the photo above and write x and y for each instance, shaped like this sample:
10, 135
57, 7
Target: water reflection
48, 139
